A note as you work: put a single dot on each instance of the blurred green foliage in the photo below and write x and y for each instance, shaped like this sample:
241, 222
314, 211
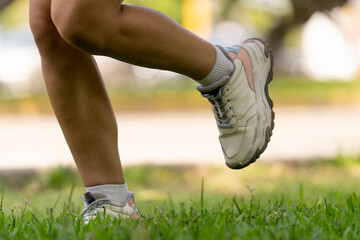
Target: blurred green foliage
60, 177
171, 8
2, 187
168, 185
182, 95
290, 91
347, 160
16, 13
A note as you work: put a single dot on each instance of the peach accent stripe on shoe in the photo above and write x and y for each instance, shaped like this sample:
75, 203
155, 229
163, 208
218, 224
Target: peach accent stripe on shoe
245, 59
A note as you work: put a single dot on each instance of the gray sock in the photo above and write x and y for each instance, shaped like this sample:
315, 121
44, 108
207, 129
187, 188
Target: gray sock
223, 67
117, 193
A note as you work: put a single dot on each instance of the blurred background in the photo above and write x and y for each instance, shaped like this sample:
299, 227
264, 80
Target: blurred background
164, 121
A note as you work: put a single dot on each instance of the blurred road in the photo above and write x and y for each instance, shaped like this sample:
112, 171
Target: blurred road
183, 138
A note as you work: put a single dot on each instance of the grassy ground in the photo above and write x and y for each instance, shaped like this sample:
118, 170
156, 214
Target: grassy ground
284, 91
313, 200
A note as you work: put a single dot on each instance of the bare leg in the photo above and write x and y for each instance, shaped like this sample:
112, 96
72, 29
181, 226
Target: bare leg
79, 101
132, 34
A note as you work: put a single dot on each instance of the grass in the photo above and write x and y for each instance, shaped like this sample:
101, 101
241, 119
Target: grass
310, 200
241, 220
182, 95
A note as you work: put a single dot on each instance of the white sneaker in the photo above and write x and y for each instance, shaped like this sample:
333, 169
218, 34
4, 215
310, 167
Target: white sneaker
241, 103
95, 203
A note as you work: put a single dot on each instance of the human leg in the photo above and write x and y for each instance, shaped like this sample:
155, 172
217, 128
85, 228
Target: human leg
145, 37
132, 34
79, 100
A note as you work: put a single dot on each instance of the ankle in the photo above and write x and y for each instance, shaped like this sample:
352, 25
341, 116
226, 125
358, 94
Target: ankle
223, 67
117, 193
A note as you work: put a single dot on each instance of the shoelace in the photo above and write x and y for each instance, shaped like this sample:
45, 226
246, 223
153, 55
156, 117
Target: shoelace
222, 118
89, 208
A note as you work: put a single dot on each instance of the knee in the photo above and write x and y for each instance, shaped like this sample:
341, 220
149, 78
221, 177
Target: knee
77, 23
43, 30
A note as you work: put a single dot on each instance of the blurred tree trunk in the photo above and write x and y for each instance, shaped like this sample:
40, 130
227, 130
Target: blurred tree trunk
302, 11
4, 3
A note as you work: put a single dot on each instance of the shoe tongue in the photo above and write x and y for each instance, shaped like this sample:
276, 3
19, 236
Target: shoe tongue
91, 197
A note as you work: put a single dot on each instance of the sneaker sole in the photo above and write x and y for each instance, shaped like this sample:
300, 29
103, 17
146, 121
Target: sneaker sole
110, 213
269, 129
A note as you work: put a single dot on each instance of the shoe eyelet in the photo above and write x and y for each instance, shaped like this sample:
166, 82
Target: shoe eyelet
228, 100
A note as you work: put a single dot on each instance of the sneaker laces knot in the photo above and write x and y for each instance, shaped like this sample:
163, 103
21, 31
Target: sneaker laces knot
220, 110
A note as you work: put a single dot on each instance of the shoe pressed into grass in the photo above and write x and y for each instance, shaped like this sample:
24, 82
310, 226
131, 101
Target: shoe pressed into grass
97, 203
242, 105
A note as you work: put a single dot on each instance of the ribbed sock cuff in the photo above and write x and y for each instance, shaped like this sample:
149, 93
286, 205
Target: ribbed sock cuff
117, 193
223, 67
